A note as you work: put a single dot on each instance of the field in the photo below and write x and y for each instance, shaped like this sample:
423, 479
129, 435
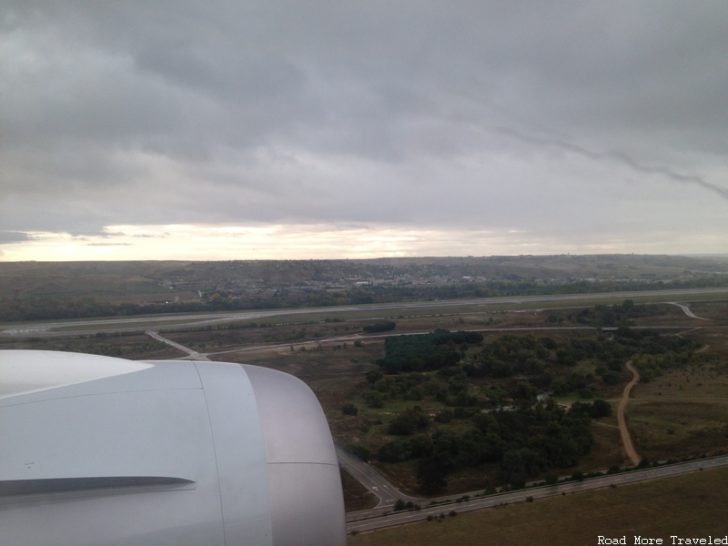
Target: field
691, 505
681, 413
132, 346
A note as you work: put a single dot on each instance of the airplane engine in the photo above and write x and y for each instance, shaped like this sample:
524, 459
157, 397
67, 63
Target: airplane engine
105, 451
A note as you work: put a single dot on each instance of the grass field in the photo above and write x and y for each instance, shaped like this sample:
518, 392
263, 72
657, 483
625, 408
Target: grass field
132, 346
691, 505
682, 413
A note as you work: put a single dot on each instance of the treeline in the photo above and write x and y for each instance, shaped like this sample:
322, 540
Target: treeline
449, 386
12, 309
609, 315
529, 363
652, 366
34, 308
518, 286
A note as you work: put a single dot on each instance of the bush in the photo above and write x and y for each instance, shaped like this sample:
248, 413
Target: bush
395, 452
600, 408
380, 326
349, 409
373, 399
408, 421
360, 451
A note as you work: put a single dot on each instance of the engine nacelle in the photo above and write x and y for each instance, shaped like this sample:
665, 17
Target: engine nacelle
105, 451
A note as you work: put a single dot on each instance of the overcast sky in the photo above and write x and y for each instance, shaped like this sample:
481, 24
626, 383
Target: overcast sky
273, 129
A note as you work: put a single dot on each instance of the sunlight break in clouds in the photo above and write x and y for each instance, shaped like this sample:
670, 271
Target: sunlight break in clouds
204, 242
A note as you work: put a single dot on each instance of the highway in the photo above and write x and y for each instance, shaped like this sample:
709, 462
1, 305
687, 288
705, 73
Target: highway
189, 320
370, 520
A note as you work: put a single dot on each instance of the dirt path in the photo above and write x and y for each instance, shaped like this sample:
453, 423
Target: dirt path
702, 349
623, 430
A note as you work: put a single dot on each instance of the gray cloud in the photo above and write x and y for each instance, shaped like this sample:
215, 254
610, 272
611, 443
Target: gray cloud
621, 158
13, 237
562, 118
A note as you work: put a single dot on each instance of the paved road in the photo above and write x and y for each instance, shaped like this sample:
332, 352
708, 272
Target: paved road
629, 449
361, 522
191, 353
141, 323
686, 309
370, 478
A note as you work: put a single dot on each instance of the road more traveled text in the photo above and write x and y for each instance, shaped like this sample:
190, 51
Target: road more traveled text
672, 539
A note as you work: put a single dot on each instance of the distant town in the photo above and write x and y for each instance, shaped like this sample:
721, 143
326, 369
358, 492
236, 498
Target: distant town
50, 290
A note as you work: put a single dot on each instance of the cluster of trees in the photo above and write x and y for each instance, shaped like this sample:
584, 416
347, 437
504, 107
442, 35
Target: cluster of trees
549, 365
490, 409
524, 442
449, 386
652, 366
512, 355
408, 421
514, 369
596, 410
413, 353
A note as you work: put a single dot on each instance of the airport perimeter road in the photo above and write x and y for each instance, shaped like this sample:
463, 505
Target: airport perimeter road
686, 309
191, 320
370, 520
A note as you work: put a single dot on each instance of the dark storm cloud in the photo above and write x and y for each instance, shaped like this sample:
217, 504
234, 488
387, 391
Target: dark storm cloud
559, 116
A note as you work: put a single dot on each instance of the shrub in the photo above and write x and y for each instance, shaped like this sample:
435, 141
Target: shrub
380, 326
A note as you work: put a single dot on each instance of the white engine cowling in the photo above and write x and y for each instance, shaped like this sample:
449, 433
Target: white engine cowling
105, 451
